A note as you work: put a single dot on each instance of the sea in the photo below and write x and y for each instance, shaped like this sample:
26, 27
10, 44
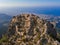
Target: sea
36, 10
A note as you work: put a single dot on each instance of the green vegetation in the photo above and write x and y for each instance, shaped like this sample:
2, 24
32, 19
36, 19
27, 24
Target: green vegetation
58, 36
58, 33
58, 30
3, 39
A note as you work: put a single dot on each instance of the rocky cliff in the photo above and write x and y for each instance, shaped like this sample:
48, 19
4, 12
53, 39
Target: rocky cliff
29, 29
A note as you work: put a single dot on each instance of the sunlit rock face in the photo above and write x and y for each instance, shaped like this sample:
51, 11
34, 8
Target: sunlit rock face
29, 29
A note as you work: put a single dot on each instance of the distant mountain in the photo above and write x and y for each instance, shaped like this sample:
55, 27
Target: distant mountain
4, 17
4, 21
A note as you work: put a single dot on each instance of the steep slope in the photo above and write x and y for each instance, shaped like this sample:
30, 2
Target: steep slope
29, 29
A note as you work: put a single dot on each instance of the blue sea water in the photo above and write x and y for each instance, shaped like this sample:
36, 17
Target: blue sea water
37, 10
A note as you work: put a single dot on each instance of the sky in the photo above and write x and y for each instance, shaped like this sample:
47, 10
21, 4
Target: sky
28, 3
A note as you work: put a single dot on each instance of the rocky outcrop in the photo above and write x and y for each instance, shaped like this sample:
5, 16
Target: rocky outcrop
29, 29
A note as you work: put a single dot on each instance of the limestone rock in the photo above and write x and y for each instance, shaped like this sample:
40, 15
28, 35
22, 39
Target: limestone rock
29, 29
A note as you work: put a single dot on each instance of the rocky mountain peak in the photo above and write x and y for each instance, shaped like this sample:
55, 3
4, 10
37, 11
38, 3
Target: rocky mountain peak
29, 29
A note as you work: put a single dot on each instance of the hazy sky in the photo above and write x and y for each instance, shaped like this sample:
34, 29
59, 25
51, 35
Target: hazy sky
27, 3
